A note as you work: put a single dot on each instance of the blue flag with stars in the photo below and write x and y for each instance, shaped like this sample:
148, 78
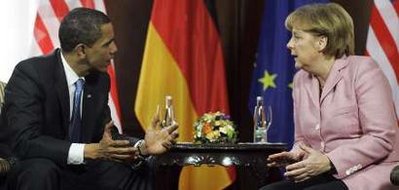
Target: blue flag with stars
274, 69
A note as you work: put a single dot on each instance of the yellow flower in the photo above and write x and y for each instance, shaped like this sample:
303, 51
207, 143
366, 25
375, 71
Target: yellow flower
212, 136
214, 128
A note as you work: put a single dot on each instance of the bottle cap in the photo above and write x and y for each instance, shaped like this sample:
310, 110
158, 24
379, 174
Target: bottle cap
168, 101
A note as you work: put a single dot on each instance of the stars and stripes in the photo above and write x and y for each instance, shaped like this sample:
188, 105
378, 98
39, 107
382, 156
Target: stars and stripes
383, 42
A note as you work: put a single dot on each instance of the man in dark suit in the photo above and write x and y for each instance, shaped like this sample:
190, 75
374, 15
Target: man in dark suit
57, 120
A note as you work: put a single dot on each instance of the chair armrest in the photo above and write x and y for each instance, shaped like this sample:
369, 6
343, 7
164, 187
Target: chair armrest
395, 176
4, 166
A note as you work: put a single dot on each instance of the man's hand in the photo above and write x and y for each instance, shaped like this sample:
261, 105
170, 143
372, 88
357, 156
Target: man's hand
314, 164
109, 149
158, 140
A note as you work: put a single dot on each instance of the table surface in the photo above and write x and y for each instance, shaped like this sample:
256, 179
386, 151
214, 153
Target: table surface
240, 154
248, 158
228, 146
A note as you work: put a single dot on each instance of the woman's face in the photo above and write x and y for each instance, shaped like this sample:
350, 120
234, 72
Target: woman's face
305, 48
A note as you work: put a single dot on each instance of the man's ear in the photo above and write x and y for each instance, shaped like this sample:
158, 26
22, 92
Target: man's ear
322, 43
80, 50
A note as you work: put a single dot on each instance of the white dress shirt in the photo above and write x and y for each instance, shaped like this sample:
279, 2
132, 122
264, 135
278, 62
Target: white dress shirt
76, 151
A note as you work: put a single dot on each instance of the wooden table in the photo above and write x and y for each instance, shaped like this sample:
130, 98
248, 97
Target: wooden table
248, 158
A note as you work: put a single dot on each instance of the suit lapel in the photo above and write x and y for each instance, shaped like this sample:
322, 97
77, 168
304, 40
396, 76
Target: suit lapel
62, 91
334, 78
89, 109
87, 104
312, 89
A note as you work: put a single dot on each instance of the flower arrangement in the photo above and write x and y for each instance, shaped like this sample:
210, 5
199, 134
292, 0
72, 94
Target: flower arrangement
214, 128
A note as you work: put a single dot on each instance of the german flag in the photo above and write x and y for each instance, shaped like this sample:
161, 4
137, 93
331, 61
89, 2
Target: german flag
183, 58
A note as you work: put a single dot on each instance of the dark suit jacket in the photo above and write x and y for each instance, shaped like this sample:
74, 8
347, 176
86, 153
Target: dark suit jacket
37, 109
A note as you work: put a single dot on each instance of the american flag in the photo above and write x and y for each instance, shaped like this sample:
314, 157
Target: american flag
383, 42
48, 18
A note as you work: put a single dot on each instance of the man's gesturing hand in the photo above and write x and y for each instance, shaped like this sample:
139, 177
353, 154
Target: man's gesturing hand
109, 149
158, 140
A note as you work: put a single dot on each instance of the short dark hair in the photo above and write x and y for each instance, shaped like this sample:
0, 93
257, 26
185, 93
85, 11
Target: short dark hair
81, 25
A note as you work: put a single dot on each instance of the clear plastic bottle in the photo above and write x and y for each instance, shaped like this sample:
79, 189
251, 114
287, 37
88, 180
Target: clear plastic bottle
169, 118
260, 128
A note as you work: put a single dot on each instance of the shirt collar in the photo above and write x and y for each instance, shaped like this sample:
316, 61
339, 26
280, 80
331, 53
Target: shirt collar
70, 74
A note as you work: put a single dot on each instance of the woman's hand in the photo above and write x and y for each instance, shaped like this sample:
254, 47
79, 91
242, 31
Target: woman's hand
283, 159
314, 164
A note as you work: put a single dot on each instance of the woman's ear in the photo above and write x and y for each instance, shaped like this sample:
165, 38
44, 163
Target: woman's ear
322, 43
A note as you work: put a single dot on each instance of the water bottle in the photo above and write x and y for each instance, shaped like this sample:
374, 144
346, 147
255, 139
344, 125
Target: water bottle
169, 118
260, 128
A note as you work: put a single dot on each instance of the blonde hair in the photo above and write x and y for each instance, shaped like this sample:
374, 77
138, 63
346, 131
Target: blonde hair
329, 20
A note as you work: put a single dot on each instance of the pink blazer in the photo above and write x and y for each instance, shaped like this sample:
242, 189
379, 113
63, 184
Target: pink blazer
353, 121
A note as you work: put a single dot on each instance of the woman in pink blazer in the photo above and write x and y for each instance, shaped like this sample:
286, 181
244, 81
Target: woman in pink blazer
346, 133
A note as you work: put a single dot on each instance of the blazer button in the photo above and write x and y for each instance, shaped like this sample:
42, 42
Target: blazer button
317, 127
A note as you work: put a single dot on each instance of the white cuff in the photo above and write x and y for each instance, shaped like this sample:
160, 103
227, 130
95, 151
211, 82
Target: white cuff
76, 154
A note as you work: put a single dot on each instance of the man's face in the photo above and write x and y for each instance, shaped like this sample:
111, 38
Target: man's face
99, 55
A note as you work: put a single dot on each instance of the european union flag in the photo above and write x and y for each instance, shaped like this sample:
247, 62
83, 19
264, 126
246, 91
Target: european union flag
274, 69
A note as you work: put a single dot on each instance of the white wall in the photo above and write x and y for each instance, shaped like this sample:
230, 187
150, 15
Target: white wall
16, 31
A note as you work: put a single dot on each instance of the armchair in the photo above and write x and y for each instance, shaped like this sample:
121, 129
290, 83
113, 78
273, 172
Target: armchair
395, 176
2, 86
6, 161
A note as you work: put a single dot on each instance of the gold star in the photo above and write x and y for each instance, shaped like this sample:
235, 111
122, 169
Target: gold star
268, 80
291, 85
